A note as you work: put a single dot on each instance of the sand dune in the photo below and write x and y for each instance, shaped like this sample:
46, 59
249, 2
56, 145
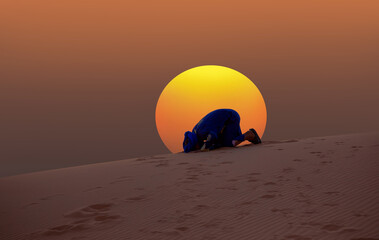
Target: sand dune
316, 188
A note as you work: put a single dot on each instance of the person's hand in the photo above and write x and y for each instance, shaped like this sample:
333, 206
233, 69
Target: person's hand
207, 143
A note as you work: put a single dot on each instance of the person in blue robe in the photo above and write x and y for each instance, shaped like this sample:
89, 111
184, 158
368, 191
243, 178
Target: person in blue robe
219, 128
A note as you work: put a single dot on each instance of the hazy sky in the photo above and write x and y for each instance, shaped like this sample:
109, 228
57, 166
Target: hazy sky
79, 80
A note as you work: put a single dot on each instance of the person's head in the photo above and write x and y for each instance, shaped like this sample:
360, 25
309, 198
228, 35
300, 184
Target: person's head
190, 141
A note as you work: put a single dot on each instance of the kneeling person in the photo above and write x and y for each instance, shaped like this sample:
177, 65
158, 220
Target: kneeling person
219, 128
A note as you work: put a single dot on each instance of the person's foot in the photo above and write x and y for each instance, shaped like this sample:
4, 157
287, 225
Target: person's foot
249, 136
256, 139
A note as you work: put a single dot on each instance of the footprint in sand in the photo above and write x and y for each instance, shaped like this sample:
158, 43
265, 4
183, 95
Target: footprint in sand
272, 191
268, 196
331, 227
226, 162
357, 214
205, 173
356, 147
326, 162
136, 198
193, 169
182, 163
232, 180
290, 141
232, 188
62, 229
316, 153
193, 177
82, 219
201, 207
269, 183
89, 211
182, 228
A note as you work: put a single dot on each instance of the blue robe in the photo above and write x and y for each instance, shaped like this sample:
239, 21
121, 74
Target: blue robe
223, 125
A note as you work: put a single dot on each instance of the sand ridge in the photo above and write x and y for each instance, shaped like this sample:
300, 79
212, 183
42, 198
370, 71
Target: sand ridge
316, 188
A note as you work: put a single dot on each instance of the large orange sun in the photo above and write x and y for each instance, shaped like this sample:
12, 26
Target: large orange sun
195, 92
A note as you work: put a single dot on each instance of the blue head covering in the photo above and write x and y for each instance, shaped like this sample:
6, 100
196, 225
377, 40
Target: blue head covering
192, 141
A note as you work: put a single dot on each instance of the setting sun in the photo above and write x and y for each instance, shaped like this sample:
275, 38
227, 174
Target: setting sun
195, 92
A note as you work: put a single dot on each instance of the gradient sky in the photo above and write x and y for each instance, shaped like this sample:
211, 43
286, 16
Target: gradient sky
79, 80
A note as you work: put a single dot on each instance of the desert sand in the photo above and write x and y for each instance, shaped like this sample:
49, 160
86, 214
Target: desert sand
315, 188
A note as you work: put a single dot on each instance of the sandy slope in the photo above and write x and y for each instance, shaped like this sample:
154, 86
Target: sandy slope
318, 188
